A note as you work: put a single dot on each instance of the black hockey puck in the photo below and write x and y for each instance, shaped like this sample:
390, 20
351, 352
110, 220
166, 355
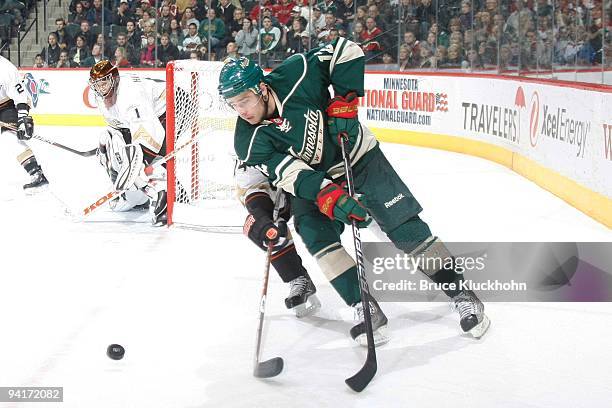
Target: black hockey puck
115, 351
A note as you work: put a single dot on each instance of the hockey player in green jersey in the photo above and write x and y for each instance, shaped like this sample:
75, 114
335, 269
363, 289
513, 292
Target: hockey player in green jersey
288, 127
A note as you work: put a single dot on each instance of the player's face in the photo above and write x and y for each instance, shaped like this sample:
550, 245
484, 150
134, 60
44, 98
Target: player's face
249, 106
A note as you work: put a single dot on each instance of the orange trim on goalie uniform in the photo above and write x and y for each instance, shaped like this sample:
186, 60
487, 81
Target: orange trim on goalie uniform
283, 252
254, 195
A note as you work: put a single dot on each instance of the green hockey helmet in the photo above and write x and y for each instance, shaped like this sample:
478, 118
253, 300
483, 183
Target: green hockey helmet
239, 75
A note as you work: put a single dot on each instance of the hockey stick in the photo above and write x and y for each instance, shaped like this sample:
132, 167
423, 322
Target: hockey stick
273, 366
148, 171
363, 377
87, 153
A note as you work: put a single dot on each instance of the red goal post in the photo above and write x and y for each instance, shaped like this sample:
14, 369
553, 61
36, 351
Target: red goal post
201, 189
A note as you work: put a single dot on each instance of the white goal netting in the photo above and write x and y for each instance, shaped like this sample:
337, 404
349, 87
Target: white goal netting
201, 189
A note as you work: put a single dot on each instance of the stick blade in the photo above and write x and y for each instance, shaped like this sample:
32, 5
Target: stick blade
363, 377
269, 368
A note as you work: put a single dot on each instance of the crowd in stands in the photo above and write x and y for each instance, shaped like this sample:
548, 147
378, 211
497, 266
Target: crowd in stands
400, 34
13, 14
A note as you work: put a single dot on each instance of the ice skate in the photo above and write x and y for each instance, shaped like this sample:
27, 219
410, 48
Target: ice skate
159, 210
38, 180
302, 299
379, 324
471, 312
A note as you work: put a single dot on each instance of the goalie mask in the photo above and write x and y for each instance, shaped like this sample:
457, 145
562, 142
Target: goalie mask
104, 78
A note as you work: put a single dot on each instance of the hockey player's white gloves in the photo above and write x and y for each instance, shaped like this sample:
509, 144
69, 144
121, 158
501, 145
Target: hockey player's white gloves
25, 127
261, 230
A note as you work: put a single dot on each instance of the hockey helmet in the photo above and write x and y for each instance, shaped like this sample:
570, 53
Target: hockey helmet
104, 78
239, 75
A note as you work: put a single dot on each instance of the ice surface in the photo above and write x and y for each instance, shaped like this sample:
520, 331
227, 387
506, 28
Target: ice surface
184, 304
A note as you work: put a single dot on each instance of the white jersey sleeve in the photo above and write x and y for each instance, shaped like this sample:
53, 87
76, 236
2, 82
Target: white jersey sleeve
249, 180
11, 85
139, 104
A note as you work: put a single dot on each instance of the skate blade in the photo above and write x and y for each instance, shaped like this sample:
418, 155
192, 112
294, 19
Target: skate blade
481, 328
310, 307
381, 337
36, 190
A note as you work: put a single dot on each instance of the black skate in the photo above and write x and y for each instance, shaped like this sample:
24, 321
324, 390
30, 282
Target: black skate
160, 210
471, 312
379, 324
302, 299
38, 180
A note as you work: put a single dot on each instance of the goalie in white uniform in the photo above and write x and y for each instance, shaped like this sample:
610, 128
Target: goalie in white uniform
15, 113
135, 112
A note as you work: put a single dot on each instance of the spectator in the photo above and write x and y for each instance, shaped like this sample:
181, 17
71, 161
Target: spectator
192, 40
78, 15
362, 14
97, 12
212, 28
175, 33
166, 51
440, 55
306, 41
95, 57
235, 25
330, 22
199, 10
408, 15
356, 34
101, 41
295, 14
120, 59
426, 14
163, 22
51, 52
454, 57
133, 36
258, 9
294, 39
370, 41
282, 12
147, 31
61, 34
80, 51
187, 19
147, 19
204, 55
231, 50
246, 39
315, 26
225, 11
129, 52
345, 13
195, 55
64, 60
39, 62
145, 5
465, 19
406, 59
269, 37
86, 33
267, 12
171, 5
147, 55
122, 15
427, 60
472, 61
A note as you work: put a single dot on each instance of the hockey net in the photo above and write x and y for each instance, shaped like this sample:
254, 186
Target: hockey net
201, 189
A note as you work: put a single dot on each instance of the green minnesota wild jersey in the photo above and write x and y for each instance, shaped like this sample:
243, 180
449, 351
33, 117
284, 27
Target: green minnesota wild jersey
295, 150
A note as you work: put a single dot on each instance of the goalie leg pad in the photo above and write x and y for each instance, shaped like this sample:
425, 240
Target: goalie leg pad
131, 170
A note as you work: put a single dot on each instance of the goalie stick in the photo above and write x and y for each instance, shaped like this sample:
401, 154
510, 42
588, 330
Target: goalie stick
148, 171
87, 153
363, 377
273, 366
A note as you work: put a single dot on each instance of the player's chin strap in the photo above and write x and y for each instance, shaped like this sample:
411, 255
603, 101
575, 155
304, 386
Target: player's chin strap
87, 153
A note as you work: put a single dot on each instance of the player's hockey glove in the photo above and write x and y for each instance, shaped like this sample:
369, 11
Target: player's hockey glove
334, 202
342, 117
261, 230
25, 127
